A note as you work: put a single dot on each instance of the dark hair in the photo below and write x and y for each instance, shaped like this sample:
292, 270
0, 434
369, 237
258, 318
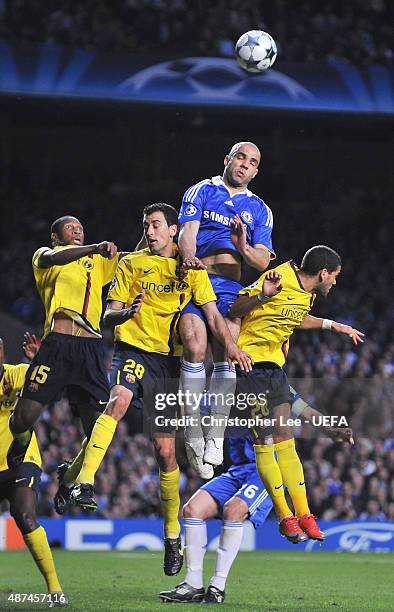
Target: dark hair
318, 258
169, 212
57, 225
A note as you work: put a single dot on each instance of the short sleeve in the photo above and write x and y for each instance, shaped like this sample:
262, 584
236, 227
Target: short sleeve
37, 255
262, 233
122, 283
193, 203
17, 376
253, 289
202, 290
109, 268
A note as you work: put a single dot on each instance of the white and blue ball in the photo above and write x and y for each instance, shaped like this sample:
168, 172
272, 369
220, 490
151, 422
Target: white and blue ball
256, 51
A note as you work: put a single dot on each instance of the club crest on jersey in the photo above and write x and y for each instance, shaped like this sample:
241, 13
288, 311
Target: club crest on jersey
190, 210
88, 264
247, 217
130, 378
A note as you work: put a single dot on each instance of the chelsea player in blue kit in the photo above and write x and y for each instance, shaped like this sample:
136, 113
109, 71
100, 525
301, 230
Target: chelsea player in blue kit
235, 496
222, 224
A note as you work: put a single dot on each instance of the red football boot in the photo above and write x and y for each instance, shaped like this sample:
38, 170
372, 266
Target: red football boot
308, 524
290, 529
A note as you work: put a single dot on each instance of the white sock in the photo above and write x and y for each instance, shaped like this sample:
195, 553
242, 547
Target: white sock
192, 379
194, 551
221, 394
230, 542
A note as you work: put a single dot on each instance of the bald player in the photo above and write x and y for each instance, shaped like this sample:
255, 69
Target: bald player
222, 225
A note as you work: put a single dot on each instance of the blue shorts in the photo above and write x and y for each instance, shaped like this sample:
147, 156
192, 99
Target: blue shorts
242, 481
226, 291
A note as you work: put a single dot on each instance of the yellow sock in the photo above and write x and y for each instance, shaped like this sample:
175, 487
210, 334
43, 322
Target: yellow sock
293, 475
271, 477
75, 467
102, 434
37, 543
170, 502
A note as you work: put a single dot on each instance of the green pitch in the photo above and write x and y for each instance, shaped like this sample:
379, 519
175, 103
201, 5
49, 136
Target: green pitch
263, 580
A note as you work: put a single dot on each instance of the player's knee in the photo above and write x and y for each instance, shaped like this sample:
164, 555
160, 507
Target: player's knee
119, 402
194, 340
191, 510
194, 350
165, 453
235, 510
26, 520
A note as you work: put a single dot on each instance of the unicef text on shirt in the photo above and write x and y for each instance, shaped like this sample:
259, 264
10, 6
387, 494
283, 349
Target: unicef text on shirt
160, 288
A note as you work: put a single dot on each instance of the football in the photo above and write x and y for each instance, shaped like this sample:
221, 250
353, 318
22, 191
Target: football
256, 51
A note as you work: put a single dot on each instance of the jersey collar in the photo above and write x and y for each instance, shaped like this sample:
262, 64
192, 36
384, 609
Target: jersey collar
295, 270
218, 181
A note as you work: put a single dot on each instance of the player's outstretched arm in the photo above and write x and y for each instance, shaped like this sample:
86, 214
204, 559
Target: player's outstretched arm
311, 322
218, 327
256, 257
301, 409
67, 255
187, 244
117, 314
246, 303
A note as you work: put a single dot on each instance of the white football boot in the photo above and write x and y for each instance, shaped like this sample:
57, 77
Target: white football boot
213, 454
195, 452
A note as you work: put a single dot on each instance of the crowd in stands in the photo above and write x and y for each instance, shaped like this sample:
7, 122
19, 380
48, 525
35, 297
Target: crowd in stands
358, 31
330, 373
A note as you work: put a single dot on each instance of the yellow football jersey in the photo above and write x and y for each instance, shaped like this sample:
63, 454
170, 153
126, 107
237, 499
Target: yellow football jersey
76, 287
10, 385
266, 330
165, 297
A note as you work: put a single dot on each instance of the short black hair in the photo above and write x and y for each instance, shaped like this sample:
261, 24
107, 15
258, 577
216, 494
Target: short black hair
318, 258
57, 225
169, 212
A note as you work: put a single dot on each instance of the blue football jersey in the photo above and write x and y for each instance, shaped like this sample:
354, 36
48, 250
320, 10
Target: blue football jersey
211, 203
241, 450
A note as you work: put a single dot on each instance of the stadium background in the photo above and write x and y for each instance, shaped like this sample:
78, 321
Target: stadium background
327, 176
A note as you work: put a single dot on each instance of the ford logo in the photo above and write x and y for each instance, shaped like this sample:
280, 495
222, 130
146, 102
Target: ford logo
360, 537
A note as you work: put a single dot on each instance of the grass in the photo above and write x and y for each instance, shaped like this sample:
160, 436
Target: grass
264, 580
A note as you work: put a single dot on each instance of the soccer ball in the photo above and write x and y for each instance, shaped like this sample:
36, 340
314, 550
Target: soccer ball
256, 51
